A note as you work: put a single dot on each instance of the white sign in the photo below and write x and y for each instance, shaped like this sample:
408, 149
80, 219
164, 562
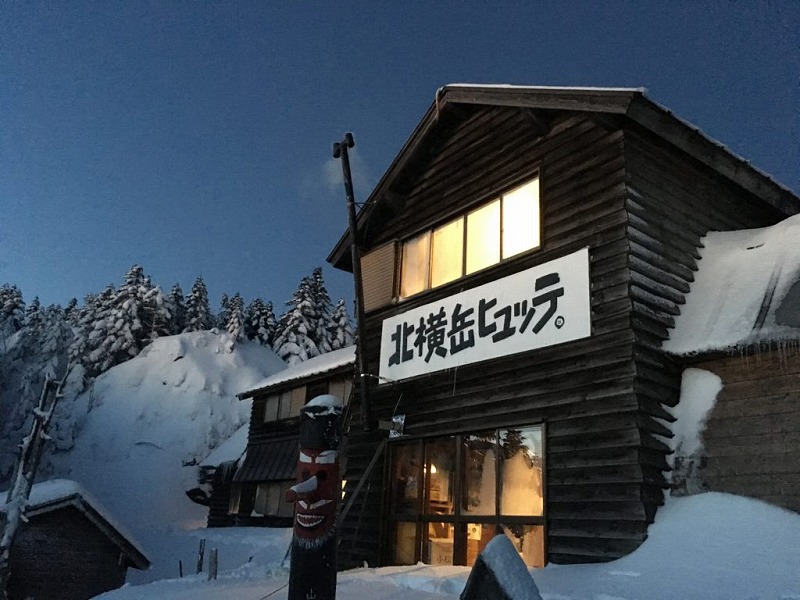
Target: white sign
544, 305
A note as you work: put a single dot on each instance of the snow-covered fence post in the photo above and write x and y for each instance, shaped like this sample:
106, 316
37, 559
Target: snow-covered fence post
13, 513
316, 496
200, 554
213, 559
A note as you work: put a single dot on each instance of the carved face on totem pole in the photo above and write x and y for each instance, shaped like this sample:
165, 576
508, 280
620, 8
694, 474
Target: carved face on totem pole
315, 509
318, 488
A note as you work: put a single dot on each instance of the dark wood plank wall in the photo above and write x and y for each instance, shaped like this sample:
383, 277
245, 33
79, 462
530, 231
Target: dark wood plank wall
583, 390
752, 436
61, 555
673, 201
219, 502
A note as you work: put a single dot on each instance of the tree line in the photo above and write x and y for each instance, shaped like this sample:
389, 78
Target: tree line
113, 326
116, 324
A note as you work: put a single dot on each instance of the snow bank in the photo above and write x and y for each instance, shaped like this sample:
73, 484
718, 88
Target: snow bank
711, 546
747, 289
149, 421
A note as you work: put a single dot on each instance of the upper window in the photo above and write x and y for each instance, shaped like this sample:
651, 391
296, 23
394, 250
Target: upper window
479, 239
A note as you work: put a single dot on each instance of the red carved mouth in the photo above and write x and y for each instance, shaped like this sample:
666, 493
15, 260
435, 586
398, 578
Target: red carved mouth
308, 521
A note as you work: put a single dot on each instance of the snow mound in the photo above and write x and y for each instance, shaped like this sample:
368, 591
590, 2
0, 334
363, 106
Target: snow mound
150, 420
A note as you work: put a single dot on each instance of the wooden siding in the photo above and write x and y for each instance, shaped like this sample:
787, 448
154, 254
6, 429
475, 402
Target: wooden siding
673, 201
752, 436
61, 555
221, 482
641, 206
596, 462
378, 271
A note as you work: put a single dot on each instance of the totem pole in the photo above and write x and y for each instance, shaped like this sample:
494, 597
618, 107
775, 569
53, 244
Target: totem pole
316, 496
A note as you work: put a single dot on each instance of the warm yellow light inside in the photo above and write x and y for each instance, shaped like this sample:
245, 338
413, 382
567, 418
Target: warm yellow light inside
414, 278
483, 237
521, 219
447, 251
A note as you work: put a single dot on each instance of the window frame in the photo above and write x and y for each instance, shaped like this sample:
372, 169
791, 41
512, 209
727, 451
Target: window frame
458, 519
462, 216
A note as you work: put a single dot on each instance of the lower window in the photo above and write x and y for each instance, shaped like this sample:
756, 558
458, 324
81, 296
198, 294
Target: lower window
449, 496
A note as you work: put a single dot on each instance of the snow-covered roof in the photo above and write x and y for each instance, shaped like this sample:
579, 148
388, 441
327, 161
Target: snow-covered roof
548, 88
58, 493
230, 449
746, 291
312, 367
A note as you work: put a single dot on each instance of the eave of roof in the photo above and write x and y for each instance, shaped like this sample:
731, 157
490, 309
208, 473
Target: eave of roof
127, 546
630, 102
330, 363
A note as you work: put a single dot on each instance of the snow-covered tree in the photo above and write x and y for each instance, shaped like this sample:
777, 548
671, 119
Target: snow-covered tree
93, 322
12, 312
322, 308
294, 340
260, 322
177, 303
198, 313
235, 323
342, 334
156, 315
224, 311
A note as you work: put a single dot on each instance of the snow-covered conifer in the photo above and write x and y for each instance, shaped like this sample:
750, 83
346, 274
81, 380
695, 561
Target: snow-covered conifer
294, 341
260, 322
224, 311
198, 313
323, 325
235, 322
177, 307
342, 334
12, 311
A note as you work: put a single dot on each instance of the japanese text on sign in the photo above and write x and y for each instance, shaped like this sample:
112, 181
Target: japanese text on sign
542, 306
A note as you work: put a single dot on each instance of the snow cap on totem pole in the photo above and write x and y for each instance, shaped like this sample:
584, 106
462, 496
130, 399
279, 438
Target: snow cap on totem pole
321, 423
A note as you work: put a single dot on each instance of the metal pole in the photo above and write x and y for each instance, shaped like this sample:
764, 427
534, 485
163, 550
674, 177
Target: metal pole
340, 151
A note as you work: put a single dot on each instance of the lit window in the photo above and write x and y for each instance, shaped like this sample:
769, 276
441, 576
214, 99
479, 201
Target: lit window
521, 219
495, 231
416, 259
448, 496
447, 254
483, 237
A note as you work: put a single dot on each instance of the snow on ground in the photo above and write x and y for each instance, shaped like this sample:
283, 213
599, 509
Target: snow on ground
711, 546
147, 422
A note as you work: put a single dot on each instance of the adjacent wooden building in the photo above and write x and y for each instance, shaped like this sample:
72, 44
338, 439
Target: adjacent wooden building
258, 482
741, 323
70, 549
523, 258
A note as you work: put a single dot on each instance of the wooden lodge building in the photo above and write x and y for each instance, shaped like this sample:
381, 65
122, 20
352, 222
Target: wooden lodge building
524, 258
255, 486
70, 549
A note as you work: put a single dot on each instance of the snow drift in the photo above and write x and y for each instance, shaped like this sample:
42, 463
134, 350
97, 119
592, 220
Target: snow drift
143, 426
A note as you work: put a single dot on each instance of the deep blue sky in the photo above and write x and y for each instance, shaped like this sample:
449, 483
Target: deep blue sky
194, 138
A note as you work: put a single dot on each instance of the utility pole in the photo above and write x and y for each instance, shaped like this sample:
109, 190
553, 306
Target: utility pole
340, 151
